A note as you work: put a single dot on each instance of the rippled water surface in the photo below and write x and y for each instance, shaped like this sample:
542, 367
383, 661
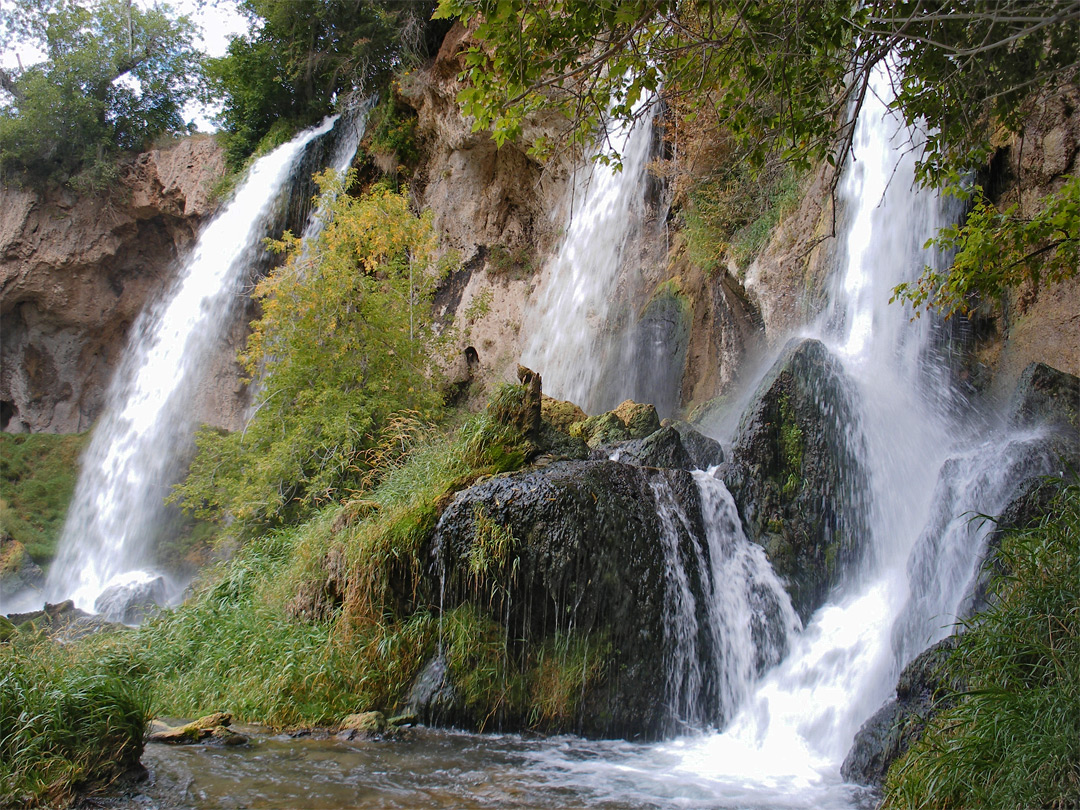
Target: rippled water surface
439, 769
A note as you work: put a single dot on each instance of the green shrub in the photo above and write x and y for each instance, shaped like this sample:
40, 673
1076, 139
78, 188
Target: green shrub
1012, 739
68, 721
732, 212
38, 472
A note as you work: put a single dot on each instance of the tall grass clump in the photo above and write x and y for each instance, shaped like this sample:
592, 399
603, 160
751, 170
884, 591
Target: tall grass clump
311, 622
1012, 739
68, 721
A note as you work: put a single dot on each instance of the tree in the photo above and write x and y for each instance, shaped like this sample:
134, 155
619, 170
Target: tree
345, 341
778, 78
114, 76
306, 55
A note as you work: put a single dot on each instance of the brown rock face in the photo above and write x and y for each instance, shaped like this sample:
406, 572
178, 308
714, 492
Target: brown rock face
76, 271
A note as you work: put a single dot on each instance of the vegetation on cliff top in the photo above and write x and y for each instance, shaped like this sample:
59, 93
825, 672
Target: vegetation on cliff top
115, 76
302, 57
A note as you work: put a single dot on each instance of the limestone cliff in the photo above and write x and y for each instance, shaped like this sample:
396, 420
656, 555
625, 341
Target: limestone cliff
75, 271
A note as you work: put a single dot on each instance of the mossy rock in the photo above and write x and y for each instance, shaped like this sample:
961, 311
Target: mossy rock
586, 554
561, 414
796, 473
640, 419
601, 430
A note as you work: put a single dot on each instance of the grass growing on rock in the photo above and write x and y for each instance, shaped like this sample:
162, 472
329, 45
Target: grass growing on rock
312, 622
38, 472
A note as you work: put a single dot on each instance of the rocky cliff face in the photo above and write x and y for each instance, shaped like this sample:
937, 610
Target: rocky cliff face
497, 208
75, 271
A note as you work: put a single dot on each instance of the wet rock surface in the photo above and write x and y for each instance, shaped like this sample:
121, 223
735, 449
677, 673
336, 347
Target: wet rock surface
132, 602
18, 572
584, 557
795, 473
61, 621
920, 692
212, 728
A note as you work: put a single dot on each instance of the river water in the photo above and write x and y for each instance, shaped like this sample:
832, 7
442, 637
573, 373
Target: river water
445, 769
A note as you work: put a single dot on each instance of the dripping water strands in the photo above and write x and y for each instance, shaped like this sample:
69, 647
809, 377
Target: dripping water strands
144, 438
578, 319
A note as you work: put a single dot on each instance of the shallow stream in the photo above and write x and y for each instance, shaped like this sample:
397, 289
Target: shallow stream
444, 769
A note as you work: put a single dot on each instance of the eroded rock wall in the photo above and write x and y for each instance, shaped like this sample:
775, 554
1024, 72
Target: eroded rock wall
75, 271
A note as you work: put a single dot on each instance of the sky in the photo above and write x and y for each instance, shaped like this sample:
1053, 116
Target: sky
218, 20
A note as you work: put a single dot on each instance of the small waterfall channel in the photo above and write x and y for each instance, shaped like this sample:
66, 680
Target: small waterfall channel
144, 437
579, 320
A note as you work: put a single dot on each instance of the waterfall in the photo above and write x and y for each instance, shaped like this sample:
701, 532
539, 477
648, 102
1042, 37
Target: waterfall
577, 324
738, 626
929, 469
931, 463
144, 436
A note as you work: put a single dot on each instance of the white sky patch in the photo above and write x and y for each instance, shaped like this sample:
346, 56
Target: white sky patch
217, 22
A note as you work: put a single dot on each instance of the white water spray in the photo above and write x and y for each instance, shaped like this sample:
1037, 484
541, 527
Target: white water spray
588, 286
145, 432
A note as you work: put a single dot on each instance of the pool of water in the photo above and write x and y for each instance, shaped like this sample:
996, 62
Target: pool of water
445, 769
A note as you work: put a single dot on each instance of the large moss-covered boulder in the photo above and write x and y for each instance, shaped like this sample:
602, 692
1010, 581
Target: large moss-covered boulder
796, 473
554, 583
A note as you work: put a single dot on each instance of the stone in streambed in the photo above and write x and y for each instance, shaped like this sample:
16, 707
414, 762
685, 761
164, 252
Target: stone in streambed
363, 725
212, 728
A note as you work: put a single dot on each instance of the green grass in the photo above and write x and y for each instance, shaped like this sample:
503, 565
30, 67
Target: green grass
38, 472
267, 638
731, 213
68, 721
1012, 739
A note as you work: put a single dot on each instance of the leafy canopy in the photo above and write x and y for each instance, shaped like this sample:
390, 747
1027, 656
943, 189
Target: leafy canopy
780, 75
345, 341
303, 56
114, 76
786, 79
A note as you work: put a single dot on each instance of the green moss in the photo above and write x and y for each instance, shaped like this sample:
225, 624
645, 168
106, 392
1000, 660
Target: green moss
566, 666
479, 661
38, 472
792, 448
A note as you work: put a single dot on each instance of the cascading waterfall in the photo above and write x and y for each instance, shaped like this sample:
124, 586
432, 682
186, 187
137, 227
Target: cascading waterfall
577, 321
144, 436
929, 468
744, 621
795, 730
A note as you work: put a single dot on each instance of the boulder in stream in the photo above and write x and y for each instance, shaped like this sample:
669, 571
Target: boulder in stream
559, 574
212, 728
796, 473
132, 602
